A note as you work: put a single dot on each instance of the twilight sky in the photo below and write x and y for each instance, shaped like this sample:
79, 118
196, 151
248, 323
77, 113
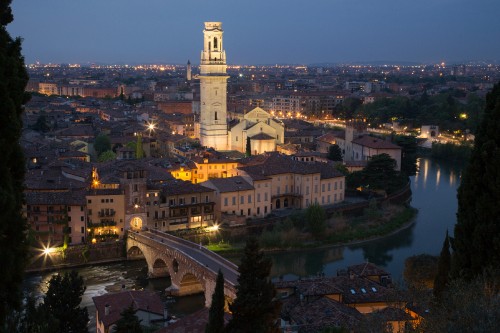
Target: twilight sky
258, 31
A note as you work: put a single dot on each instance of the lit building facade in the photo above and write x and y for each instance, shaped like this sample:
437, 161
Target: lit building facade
213, 89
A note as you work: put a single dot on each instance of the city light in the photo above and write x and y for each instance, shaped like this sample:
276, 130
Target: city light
48, 250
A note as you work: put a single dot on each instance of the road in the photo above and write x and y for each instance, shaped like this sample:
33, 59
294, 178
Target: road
198, 253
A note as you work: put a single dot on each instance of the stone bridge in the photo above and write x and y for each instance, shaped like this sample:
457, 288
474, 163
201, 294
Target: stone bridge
192, 268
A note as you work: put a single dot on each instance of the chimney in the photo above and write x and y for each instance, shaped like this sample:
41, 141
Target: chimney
107, 308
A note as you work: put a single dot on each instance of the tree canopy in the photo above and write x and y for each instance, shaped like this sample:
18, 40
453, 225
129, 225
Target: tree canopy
334, 153
128, 322
255, 309
102, 143
62, 301
476, 244
13, 227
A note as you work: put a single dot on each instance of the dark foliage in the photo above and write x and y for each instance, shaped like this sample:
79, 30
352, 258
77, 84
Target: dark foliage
128, 322
334, 153
444, 265
476, 244
248, 148
379, 174
102, 143
420, 271
62, 302
216, 313
255, 309
13, 243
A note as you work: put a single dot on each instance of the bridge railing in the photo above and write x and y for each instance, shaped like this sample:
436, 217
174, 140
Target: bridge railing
193, 245
137, 236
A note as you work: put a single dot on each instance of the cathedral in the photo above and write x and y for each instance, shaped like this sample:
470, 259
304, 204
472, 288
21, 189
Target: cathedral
257, 125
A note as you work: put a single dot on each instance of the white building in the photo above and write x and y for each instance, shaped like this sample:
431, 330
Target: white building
213, 89
264, 132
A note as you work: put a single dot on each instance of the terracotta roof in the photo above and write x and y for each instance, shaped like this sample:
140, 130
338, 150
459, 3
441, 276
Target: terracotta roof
141, 300
176, 187
193, 323
69, 198
317, 313
331, 137
231, 184
375, 143
366, 269
276, 164
261, 136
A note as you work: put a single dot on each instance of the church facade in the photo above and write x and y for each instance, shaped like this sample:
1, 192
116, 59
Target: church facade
260, 127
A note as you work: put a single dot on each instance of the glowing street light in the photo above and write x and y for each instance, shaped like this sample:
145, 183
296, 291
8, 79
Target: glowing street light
48, 250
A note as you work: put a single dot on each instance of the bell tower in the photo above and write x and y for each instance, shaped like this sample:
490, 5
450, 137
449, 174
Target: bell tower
213, 89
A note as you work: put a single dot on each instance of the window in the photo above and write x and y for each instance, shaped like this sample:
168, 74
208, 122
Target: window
193, 200
249, 198
335, 185
110, 200
102, 200
215, 115
242, 200
249, 211
307, 190
234, 200
329, 187
81, 218
265, 196
322, 188
315, 188
69, 208
341, 184
258, 210
82, 230
225, 201
258, 197
206, 198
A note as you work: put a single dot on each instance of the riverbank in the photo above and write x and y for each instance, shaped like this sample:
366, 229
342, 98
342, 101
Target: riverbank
342, 231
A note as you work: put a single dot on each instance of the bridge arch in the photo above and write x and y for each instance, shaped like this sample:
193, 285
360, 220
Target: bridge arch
190, 284
135, 252
160, 268
192, 268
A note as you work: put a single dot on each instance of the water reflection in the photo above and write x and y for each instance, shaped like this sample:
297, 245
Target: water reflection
379, 251
433, 194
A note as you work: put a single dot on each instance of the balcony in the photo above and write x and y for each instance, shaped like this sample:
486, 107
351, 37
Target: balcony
106, 213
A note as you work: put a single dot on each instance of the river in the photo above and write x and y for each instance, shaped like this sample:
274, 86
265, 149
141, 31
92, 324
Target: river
433, 194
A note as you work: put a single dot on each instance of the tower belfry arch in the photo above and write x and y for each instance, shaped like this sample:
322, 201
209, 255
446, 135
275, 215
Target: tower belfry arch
213, 88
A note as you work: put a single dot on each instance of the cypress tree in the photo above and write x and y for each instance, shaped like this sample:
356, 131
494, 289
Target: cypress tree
334, 153
444, 265
476, 243
128, 322
254, 309
248, 148
13, 227
216, 313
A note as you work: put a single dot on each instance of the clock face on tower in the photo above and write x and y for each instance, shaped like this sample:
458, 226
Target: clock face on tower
136, 223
